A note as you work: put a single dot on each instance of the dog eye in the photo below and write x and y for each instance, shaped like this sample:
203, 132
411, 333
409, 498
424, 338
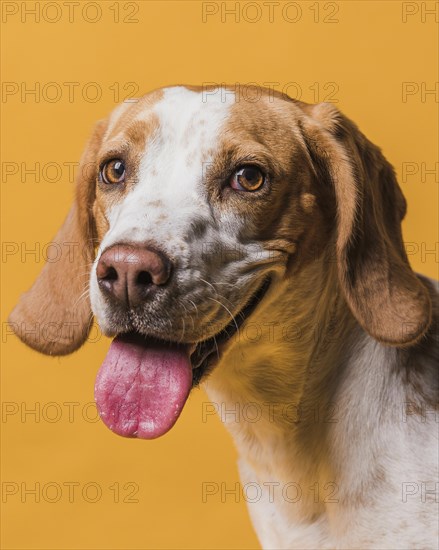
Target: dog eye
113, 171
247, 178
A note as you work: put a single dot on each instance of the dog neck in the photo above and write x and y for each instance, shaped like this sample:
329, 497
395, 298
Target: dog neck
274, 386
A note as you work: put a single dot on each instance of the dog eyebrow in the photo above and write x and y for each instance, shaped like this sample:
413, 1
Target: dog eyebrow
227, 160
108, 153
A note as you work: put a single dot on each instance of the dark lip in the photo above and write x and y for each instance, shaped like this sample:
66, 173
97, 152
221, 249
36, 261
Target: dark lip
203, 357
204, 353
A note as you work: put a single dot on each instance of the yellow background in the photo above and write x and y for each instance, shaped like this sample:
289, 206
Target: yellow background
369, 53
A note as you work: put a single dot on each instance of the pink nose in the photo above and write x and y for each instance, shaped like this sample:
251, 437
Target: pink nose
130, 273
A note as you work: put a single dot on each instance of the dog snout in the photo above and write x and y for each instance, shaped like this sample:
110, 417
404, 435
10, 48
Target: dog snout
130, 273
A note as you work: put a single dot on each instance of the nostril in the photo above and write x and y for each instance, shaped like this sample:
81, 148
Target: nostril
110, 274
144, 278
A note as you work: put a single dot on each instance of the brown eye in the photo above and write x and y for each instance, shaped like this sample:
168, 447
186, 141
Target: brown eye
247, 178
113, 171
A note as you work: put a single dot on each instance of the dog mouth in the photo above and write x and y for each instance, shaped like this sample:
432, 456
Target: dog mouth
143, 383
207, 352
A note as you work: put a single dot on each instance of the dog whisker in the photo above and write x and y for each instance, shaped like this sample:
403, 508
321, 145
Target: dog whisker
82, 297
228, 311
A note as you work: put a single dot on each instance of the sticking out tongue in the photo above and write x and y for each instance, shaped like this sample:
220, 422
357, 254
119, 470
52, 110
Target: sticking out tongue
142, 386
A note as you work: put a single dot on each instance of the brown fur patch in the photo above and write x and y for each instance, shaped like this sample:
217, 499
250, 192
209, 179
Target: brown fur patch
127, 141
381, 289
264, 133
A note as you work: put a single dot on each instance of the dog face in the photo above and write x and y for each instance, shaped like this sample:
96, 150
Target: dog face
192, 205
221, 193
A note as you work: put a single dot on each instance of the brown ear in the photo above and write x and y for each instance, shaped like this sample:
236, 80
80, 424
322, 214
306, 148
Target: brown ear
54, 316
382, 291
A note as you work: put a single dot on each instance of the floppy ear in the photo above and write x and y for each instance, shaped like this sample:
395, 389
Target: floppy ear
384, 294
54, 316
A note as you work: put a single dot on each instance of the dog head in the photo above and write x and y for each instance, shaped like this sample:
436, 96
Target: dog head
190, 206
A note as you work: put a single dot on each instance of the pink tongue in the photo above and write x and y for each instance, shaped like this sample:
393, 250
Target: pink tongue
142, 386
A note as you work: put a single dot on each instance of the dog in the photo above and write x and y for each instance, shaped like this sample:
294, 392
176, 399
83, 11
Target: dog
255, 247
